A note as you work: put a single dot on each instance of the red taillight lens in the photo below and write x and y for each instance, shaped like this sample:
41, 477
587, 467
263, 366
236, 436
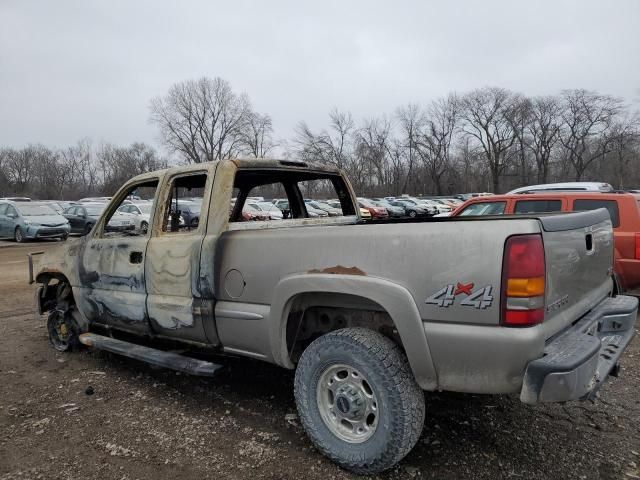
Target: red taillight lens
523, 281
637, 246
525, 256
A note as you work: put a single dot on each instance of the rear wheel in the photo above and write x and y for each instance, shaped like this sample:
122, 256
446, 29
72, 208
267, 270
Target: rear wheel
144, 227
358, 401
18, 235
412, 214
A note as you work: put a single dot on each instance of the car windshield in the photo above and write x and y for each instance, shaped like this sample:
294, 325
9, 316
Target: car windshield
366, 203
484, 208
35, 210
96, 210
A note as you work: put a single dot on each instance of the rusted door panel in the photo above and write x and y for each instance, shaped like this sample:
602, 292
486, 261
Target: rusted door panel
112, 275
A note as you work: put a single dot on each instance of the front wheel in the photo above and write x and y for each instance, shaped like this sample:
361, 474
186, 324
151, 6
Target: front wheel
62, 330
358, 401
19, 235
144, 227
412, 214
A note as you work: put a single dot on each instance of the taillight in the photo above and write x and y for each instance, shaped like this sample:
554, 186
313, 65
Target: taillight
523, 281
637, 246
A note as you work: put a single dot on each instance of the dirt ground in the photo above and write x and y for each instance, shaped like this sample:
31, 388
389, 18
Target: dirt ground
145, 423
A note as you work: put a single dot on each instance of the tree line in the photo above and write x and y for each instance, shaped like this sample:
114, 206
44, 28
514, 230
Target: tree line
489, 139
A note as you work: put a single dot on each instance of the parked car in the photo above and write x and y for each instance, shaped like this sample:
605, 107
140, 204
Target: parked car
394, 212
31, 220
316, 211
514, 305
140, 213
83, 217
376, 211
249, 212
412, 209
623, 208
269, 209
320, 205
430, 207
190, 212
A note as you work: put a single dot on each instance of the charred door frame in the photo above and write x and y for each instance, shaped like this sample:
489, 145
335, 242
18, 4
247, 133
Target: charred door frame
175, 305
113, 290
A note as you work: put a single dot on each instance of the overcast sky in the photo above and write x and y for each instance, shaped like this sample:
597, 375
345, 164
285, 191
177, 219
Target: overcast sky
89, 68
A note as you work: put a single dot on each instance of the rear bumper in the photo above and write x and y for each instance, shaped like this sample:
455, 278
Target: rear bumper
577, 361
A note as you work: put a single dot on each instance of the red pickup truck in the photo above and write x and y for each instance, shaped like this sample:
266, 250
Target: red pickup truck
624, 209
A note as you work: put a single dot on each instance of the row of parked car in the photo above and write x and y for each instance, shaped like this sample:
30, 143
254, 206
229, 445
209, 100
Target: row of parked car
257, 208
23, 219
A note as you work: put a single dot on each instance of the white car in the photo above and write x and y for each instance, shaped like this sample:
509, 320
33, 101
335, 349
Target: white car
140, 213
269, 208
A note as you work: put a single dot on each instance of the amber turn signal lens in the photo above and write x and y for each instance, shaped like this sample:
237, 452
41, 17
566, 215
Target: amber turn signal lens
525, 287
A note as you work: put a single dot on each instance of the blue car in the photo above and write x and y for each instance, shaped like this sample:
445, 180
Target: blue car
31, 220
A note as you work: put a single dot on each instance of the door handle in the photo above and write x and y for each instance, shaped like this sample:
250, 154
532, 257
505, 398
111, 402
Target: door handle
135, 257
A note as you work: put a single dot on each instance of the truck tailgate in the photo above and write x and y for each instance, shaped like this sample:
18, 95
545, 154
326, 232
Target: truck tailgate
579, 255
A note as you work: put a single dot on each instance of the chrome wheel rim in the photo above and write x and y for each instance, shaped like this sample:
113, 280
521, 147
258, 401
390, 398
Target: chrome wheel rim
347, 403
18, 235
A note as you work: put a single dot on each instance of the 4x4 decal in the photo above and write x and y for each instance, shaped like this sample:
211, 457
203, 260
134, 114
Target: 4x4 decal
445, 297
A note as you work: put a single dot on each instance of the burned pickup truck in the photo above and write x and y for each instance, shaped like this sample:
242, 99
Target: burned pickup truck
495, 305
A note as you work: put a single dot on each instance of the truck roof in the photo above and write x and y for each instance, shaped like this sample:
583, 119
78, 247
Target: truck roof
266, 163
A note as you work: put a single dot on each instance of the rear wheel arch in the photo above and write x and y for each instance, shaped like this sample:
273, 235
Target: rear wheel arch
386, 306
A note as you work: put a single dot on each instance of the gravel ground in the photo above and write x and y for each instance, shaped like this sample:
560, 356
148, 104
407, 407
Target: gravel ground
141, 422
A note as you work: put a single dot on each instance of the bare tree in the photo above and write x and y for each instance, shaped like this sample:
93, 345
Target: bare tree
333, 146
543, 130
374, 148
118, 164
204, 120
435, 140
257, 135
485, 118
411, 121
624, 144
587, 119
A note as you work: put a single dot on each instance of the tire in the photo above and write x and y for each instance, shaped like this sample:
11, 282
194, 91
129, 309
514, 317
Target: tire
144, 227
412, 214
62, 330
369, 373
65, 236
18, 235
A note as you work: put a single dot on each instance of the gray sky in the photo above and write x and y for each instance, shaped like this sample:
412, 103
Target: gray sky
89, 68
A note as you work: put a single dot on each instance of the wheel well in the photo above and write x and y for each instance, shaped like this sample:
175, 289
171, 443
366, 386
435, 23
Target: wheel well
56, 291
312, 315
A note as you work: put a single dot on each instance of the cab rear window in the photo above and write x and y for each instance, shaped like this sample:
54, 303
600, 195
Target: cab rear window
611, 205
537, 206
483, 208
